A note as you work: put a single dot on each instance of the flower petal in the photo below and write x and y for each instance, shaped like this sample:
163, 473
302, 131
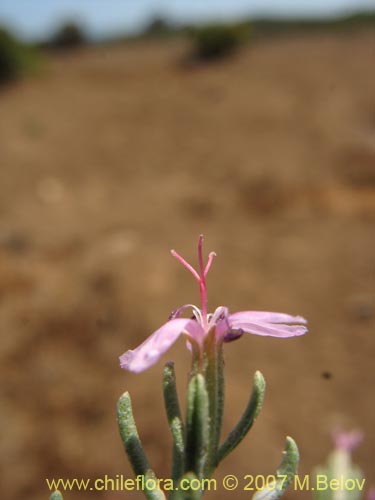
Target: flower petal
148, 353
347, 441
219, 319
177, 313
268, 329
267, 317
195, 331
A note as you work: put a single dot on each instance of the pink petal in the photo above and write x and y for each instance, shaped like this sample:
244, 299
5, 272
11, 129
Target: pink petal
347, 440
195, 331
267, 317
148, 353
267, 329
220, 320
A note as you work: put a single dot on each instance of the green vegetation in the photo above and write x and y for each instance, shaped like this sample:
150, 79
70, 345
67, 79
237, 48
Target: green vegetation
214, 41
69, 36
217, 40
16, 58
209, 42
269, 27
158, 28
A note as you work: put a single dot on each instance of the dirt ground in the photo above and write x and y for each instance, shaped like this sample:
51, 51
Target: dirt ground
115, 155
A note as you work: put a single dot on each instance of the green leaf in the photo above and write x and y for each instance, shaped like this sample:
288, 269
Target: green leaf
213, 368
284, 474
133, 445
152, 494
248, 418
130, 437
339, 465
175, 420
185, 493
56, 495
197, 426
324, 493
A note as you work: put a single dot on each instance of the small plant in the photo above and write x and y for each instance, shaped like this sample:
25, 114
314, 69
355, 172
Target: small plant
340, 478
16, 59
215, 41
158, 28
198, 447
69, 36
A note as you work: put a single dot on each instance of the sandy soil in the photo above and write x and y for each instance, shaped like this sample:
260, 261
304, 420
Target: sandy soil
115, 155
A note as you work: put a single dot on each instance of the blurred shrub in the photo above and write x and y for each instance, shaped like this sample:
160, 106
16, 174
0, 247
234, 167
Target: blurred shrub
16, 59
158, 28
69, 36
269, 27
214, 41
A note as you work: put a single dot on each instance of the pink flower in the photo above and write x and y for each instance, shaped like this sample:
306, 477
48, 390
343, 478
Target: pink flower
347, 441
227, 326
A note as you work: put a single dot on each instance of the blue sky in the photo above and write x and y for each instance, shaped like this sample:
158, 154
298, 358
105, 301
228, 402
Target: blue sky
37, 18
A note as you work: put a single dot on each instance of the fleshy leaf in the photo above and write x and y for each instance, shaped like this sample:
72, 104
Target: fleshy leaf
133, 445
339, 465
197, 426
175, 420
187, 494
213, 374
56, 495
248, 418
284, 474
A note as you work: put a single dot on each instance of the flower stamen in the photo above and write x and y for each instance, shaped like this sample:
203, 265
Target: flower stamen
200, 254
211, 257
200, 277
187, 265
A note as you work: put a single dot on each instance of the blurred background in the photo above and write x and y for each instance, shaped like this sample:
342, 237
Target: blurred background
127, 129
